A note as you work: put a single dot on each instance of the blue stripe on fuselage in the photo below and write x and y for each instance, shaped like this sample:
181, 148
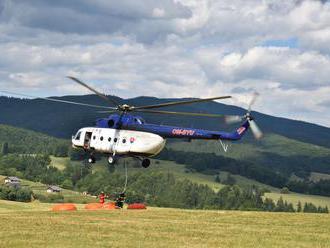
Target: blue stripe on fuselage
190, 133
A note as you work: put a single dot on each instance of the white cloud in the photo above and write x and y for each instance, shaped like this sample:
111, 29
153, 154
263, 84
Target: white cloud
176, 48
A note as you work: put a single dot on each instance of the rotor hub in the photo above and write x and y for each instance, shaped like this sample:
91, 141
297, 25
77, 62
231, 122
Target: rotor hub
125, 107
248, 116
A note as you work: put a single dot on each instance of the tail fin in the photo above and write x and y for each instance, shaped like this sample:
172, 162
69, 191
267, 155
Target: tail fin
238, 134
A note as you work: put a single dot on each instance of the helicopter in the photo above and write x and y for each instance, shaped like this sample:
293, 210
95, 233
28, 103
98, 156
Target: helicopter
125, 134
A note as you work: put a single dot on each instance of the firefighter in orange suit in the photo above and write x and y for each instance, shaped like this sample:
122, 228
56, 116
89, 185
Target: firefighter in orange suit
102, 197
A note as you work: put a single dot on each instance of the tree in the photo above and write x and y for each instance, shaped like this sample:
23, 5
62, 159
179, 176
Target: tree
61, 150
299, 207
284, 190
4, 149
67, 184
217, 179
14, 194
310, 208
280, 206
230, 180
269, 205
76, 155
23, 195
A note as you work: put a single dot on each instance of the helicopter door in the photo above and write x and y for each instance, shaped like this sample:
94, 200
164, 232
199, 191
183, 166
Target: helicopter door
87, 140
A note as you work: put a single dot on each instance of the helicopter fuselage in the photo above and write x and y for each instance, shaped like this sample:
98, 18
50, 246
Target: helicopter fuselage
118, 142
128, 135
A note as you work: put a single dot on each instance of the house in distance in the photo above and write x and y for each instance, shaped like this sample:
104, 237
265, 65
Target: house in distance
13, 182
53, 189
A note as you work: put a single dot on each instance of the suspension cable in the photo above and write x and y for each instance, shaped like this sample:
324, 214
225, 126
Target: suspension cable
126, 176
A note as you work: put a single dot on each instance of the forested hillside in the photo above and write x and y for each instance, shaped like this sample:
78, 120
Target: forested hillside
17, 140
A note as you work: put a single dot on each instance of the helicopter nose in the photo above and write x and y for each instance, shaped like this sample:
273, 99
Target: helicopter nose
76, 139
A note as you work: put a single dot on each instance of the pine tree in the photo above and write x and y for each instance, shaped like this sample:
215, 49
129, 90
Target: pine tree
310, 208
299, 207
269, 205
5, 148
217, 179
290, 208
280, 207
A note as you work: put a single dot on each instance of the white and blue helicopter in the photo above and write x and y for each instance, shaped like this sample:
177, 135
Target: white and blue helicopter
123, 134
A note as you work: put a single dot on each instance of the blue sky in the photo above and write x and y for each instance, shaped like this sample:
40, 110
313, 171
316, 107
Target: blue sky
173, 48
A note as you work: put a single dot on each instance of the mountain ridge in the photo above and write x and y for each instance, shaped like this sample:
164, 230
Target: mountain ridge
62, 120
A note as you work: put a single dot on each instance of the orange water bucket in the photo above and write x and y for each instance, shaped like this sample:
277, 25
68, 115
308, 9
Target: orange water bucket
137, 206
94, 206
64, 207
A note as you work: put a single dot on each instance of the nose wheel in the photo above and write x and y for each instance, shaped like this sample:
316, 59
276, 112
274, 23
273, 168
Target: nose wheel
145, 163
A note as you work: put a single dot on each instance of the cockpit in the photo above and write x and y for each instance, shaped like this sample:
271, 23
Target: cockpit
77, 136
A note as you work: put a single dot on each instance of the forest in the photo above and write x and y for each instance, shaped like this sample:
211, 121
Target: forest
277, 176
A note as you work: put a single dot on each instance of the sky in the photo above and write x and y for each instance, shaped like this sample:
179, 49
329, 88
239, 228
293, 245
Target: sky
173, 48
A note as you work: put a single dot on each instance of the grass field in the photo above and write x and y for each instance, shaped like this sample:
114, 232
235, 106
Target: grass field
59, 162
315, 177
33, 225
294, 198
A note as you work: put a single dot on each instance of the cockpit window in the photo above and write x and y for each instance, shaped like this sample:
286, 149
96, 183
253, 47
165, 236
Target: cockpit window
139, 121
77, 137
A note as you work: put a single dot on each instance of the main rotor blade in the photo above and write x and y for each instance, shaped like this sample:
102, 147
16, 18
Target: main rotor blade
180, 102
107, 111
253, 100
58, 100
111, 101
178, 113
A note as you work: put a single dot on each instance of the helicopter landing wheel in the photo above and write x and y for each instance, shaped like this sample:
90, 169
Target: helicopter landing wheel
145, 163
111, 160
91, 160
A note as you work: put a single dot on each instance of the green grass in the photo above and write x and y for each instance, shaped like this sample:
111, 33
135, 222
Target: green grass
315, 176
294, 198
158, 227
59, 162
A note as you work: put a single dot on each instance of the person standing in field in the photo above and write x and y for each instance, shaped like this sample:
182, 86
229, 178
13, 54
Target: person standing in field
120, 200
102, 197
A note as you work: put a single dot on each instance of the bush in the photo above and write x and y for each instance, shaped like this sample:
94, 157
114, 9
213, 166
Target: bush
14, 194
56, 198
23, 195
285, 190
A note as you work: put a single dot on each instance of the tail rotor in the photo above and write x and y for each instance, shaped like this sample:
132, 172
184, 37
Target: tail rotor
231, 119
